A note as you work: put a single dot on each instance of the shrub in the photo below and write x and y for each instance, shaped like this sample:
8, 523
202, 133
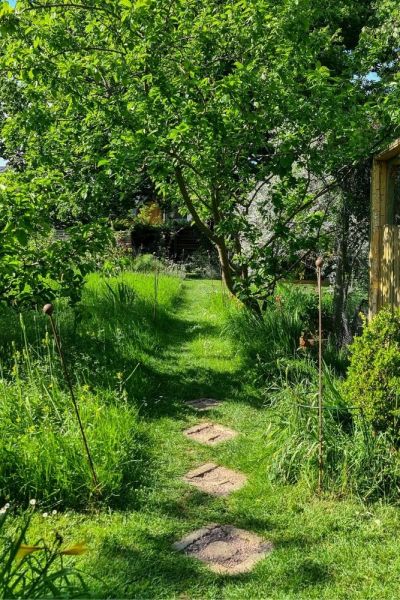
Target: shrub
373, 381
146, 263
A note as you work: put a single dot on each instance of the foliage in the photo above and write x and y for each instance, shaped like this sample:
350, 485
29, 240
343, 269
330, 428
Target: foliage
327, 547
373, 381
379, 55
150, 214
35, 570
271, 345
356, 461
212, 101
41, 452
35, 266
147, 263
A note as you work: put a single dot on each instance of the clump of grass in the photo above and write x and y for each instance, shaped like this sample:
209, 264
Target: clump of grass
41, 452
356, 461
270, 344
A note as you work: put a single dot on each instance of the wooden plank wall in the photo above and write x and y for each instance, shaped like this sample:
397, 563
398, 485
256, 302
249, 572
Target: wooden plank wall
390, 272
378, 217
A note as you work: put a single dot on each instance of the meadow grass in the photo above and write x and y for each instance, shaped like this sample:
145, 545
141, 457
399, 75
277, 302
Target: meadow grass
110, 347
325, 547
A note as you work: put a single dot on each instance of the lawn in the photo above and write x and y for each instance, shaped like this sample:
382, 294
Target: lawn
146, 367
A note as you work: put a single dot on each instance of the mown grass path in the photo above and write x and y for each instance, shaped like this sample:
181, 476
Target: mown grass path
323, 548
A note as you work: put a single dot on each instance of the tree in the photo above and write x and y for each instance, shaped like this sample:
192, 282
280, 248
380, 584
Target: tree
214, 101
351, 218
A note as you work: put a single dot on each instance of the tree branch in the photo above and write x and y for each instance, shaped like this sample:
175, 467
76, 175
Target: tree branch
188, 201
66, 6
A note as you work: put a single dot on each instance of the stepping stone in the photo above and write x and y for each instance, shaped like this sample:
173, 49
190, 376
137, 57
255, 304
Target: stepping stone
210, 433
203, 404
225, 549
215, 480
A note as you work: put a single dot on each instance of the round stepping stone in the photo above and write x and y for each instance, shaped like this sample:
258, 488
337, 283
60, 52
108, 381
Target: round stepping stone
225, 549
215, 480
210, 433
203, 404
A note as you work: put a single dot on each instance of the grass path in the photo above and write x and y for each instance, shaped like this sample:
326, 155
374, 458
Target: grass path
323, 548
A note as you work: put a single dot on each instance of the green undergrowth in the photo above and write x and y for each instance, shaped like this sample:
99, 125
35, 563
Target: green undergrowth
111, 342
333, 546
358, 460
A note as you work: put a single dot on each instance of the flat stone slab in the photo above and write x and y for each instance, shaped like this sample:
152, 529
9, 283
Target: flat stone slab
210, 433
215, 480
225, 549
203, 404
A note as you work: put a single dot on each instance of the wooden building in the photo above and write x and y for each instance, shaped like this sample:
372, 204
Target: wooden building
385, 230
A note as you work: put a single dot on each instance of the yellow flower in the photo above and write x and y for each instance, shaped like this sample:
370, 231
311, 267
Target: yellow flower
24, 550
74, 550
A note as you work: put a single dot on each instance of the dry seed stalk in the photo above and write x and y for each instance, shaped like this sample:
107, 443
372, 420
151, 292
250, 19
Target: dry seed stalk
48, 310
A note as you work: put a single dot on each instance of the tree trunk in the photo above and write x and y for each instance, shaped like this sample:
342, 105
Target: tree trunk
225, 266
219, 243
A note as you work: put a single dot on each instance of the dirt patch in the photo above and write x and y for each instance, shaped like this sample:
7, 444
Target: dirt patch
215, 480
203, 404
225, 549
210, 433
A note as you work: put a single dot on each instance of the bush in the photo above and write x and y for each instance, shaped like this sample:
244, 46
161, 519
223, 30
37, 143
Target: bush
147, 263
373, 381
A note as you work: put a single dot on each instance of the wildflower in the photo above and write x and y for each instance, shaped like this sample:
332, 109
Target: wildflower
45, 514
75, 550
54, 512
24, 550
119, 375
32, 502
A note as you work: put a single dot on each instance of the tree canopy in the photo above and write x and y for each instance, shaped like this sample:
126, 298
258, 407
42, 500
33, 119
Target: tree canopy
214, 101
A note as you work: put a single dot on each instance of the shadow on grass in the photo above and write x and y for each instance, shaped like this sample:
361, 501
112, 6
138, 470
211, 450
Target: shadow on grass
154, 569
119, 346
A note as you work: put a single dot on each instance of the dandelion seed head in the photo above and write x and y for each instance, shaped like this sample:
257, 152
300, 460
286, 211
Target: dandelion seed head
32, 502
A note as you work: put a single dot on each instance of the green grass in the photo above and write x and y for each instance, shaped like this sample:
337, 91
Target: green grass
324, 547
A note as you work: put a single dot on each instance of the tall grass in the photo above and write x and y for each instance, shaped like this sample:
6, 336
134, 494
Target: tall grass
270, 344
356, 461
107, 341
